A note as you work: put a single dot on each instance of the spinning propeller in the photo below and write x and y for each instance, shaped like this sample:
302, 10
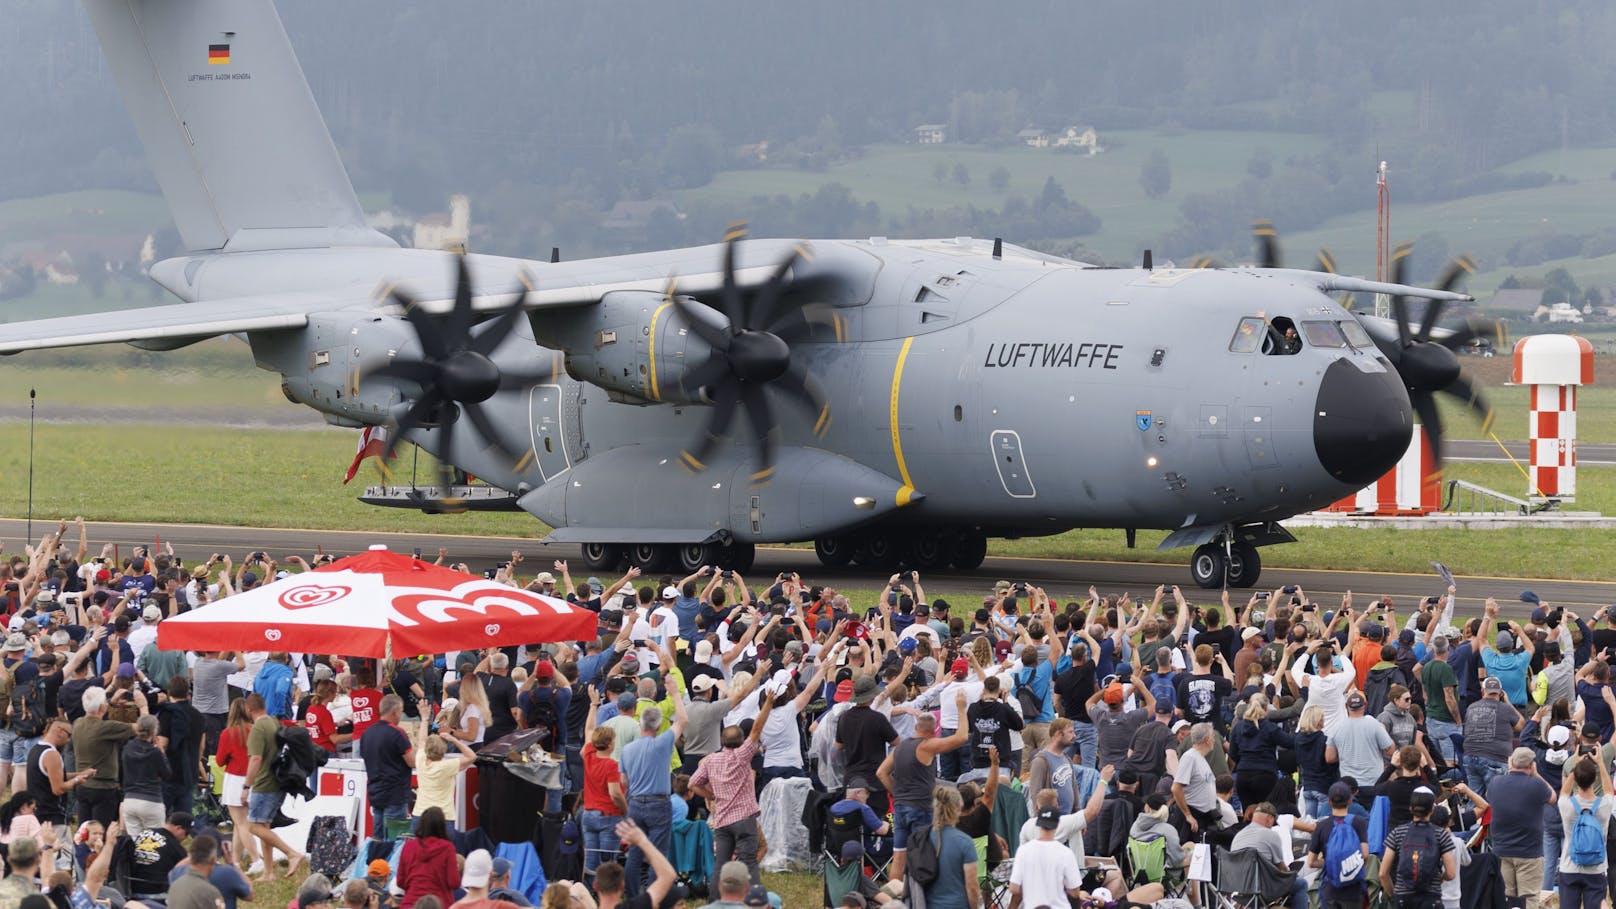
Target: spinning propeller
749, 355
455, 372
1426, 365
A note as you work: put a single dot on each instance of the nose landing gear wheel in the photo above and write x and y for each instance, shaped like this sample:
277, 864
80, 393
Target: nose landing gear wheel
1245, 566
1207, 565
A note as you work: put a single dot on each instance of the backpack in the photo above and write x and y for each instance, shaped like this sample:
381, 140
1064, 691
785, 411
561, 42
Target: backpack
28, 710
122, 710
1030, 703
331, 846
1343, 855
1587, 843
1163, 690
541, 716
1419, 861
922, 861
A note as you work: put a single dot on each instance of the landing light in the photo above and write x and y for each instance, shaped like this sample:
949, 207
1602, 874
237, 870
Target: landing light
1151, 461
863, 503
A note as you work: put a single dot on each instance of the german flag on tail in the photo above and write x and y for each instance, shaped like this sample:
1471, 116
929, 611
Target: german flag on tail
218, 54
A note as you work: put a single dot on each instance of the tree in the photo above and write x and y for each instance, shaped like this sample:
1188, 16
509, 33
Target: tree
1156, 175
693, 155
999, 179
1510, 282
962, 175
939, 172
1051, 198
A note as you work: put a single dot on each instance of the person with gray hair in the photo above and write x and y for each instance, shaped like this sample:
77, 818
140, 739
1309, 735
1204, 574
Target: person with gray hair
734, 879
388, 755
98, 744
1441, 687
647, 766
1517, 797
145, 767
504, 700
1195, 793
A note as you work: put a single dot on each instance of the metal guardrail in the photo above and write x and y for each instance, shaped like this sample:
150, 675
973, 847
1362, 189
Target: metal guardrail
1465, 497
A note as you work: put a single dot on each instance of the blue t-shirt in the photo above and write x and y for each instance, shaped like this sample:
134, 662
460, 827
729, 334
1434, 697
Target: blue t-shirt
1517, 827
872, 823
1463, 660
231, 884
957, 851
1036, 680
645, 764
686, 609
1509, 669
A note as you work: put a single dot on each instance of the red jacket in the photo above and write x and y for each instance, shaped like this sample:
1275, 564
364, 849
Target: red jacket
427, 865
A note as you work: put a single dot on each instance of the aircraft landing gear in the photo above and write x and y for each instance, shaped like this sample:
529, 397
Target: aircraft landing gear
1216, 563
834, 552
692, 556
968, 550
602, 556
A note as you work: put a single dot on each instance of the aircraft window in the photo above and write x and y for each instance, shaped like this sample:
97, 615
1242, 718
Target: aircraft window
1281, 338
1323, 334
1356, 336
1249, 336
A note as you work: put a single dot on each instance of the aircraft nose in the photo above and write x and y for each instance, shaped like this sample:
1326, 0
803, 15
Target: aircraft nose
1362, 424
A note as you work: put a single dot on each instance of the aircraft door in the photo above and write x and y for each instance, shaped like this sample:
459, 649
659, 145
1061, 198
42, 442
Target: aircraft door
548, 423
1012, 465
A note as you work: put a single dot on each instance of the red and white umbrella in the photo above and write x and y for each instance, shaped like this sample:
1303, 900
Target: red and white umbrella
378, 604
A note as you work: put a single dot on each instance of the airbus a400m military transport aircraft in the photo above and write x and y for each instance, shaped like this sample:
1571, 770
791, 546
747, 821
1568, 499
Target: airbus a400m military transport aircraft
904, 400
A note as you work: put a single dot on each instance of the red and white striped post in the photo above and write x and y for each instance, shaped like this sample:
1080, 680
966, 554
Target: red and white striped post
1553, 366
1413, 487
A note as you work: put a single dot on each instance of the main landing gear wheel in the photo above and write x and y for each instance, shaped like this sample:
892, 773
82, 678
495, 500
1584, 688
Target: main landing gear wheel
928, 551
649, 558
692, 556
834, 552
1245, 566
602, 556
1207, 565
878, 551
737, 557
968, 551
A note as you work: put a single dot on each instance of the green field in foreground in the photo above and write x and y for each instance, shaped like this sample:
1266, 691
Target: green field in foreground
292, 478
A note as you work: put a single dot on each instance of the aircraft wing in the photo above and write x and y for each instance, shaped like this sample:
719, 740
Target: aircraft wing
171, 326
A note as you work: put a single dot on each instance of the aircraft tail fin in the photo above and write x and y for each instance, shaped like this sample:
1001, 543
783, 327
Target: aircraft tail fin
229, 125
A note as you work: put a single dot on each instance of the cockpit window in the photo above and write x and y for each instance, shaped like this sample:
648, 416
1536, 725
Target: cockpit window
1282, 339
1356, 336
1249, 336
1323, 334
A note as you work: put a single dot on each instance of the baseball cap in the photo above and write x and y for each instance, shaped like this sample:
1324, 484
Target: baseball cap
734, 875
544, 669
630, 664
595, 586
670, 592
844, 690
907, 646
1163, 708
248, 578
499, 867
1355, 701
1180, 724
794, 647
479, 865
1422, 797
1528, 596
852, 849
1406, 636
1491, 683
1506, 642
126, 670
1048, 819
315, 897
702, 683
1113, 693
379, 868
103, 576
1340, 794
626, 701
1250, 633
282, 575
704, 650
61, 639
756, 896
1539, 616
151, 614
960, 666
323, 672
1559, 735
1373, 631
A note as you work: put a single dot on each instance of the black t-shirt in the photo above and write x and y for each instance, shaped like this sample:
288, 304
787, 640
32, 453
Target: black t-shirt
1075, 686
1224, 639
990, 724
502, 699
402, 684
864, 734
1149, 748
51, 682
1200, 697
184, 737
155, 854
71, 697
1399, 790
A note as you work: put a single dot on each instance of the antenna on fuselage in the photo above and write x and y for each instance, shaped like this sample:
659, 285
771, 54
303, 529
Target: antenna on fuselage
1149, 264
998, 247
555, 254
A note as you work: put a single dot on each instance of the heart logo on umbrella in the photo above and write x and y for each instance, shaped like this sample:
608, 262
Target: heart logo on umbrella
309, 596
272, 634
491, 629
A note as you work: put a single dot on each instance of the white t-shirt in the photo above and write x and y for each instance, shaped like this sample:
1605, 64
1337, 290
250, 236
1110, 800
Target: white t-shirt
142, 635
1329, 694
1068, 835
949, 711
1570, 806
1045, 870
472, 711
781, 743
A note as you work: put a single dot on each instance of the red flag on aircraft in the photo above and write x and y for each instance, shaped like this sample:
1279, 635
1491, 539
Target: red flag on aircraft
372, 442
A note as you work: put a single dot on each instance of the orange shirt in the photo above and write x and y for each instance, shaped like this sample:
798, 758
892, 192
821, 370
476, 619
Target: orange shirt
1364, 659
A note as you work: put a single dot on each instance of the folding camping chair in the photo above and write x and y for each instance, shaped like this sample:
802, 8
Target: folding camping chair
1246, 880
995, 881
1147, 864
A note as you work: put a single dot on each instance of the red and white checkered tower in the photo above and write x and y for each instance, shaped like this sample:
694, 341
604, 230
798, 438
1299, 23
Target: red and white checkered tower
1552, 366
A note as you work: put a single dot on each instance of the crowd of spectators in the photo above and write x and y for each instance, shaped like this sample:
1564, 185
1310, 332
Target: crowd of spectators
1124, 738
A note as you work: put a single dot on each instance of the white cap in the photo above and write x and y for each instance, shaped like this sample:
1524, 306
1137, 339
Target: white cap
670, 592
479, 866
1250, 633
704, 650
151, 614
1559, 735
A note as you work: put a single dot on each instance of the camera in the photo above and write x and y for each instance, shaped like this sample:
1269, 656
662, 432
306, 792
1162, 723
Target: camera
726, 574
259, 556
1288, 588
489, 574
1263, 595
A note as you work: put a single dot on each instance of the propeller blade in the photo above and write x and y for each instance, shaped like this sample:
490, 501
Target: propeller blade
446, 418
733, 305
1469, 331
427, 330
1466, 391
1425, 405
705, 375
485, 428
461, 316
725, 398
761, 417
1267, 244
413, 418
768, 296
716, 338
1433, 312
1399, 302
420, 372
497, 329
1448, 280
804, 388
1325, 261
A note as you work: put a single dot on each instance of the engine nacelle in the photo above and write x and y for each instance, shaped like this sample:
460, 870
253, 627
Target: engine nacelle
323, 364
633, 343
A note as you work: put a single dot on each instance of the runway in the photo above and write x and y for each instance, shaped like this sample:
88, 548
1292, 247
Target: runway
1486, 450
1063, 578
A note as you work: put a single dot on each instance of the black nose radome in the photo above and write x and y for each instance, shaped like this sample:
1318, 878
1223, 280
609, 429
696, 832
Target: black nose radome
1362, 424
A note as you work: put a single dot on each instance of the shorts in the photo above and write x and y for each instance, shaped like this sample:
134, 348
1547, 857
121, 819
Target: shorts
263, 806
904, 819
19, 748
235, 791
